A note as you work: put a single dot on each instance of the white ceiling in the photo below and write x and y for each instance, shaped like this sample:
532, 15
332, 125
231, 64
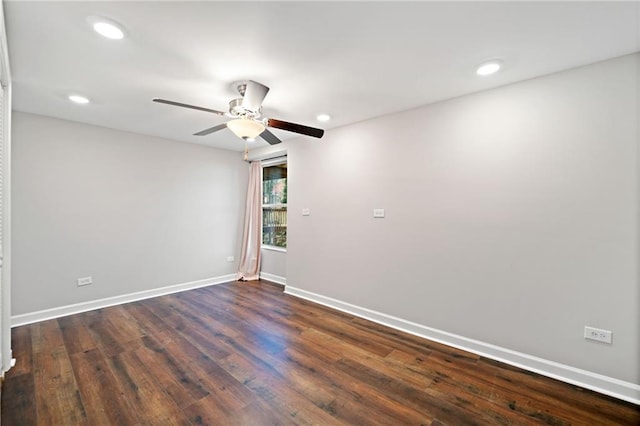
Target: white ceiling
353, 60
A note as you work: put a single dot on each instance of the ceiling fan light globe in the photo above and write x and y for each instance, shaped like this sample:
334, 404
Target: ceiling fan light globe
245, 129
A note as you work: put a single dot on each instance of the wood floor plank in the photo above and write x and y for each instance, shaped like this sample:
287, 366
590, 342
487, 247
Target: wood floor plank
20, 399
57, 395
45, 336
415, 398
356, 402
180, 383
420, 379
102, 332
209, 411
207, 332
75, 335
147, 318
571, 404
260, 413
275, 391
270, 312
127, 328
259, 315
139, 386
467, 395
101, 394
245, 353
221, 384
347, 332
475, 380
112, 329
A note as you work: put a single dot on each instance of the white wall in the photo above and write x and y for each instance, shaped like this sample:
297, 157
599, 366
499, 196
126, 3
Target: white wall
134, 212
511, 216
273, 265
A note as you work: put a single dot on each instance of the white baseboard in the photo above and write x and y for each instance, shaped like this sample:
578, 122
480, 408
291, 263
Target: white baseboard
273, 278
77, 308
603, 384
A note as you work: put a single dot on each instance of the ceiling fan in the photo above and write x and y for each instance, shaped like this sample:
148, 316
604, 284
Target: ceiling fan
245, 111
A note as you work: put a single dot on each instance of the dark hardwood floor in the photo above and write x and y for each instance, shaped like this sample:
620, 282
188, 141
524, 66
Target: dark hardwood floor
245, 353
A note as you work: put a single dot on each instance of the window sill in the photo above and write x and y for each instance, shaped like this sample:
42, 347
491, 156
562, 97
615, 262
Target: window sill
274, 248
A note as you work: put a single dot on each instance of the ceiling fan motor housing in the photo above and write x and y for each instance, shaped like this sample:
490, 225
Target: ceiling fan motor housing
237, 110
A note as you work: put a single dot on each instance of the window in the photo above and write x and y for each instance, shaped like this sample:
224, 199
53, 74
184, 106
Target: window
274, 204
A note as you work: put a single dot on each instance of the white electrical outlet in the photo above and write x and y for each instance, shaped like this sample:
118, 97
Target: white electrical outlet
306, 212
378, 213
230, 258
84, 281
598, 334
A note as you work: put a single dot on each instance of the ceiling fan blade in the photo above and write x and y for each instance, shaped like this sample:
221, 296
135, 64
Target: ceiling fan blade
269, 137
296, 128
164, 101
254, 94
211, 130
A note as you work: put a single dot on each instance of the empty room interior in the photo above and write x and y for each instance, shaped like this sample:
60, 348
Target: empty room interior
329, 213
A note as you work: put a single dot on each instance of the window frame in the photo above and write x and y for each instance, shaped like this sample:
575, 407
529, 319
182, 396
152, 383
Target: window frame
269, 163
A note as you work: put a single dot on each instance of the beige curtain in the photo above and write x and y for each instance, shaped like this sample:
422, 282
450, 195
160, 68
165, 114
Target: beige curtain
250, 256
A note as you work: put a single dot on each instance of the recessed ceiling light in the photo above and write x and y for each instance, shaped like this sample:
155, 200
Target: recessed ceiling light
108, 30
106, 27
323, 117
489, 68
78, 99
